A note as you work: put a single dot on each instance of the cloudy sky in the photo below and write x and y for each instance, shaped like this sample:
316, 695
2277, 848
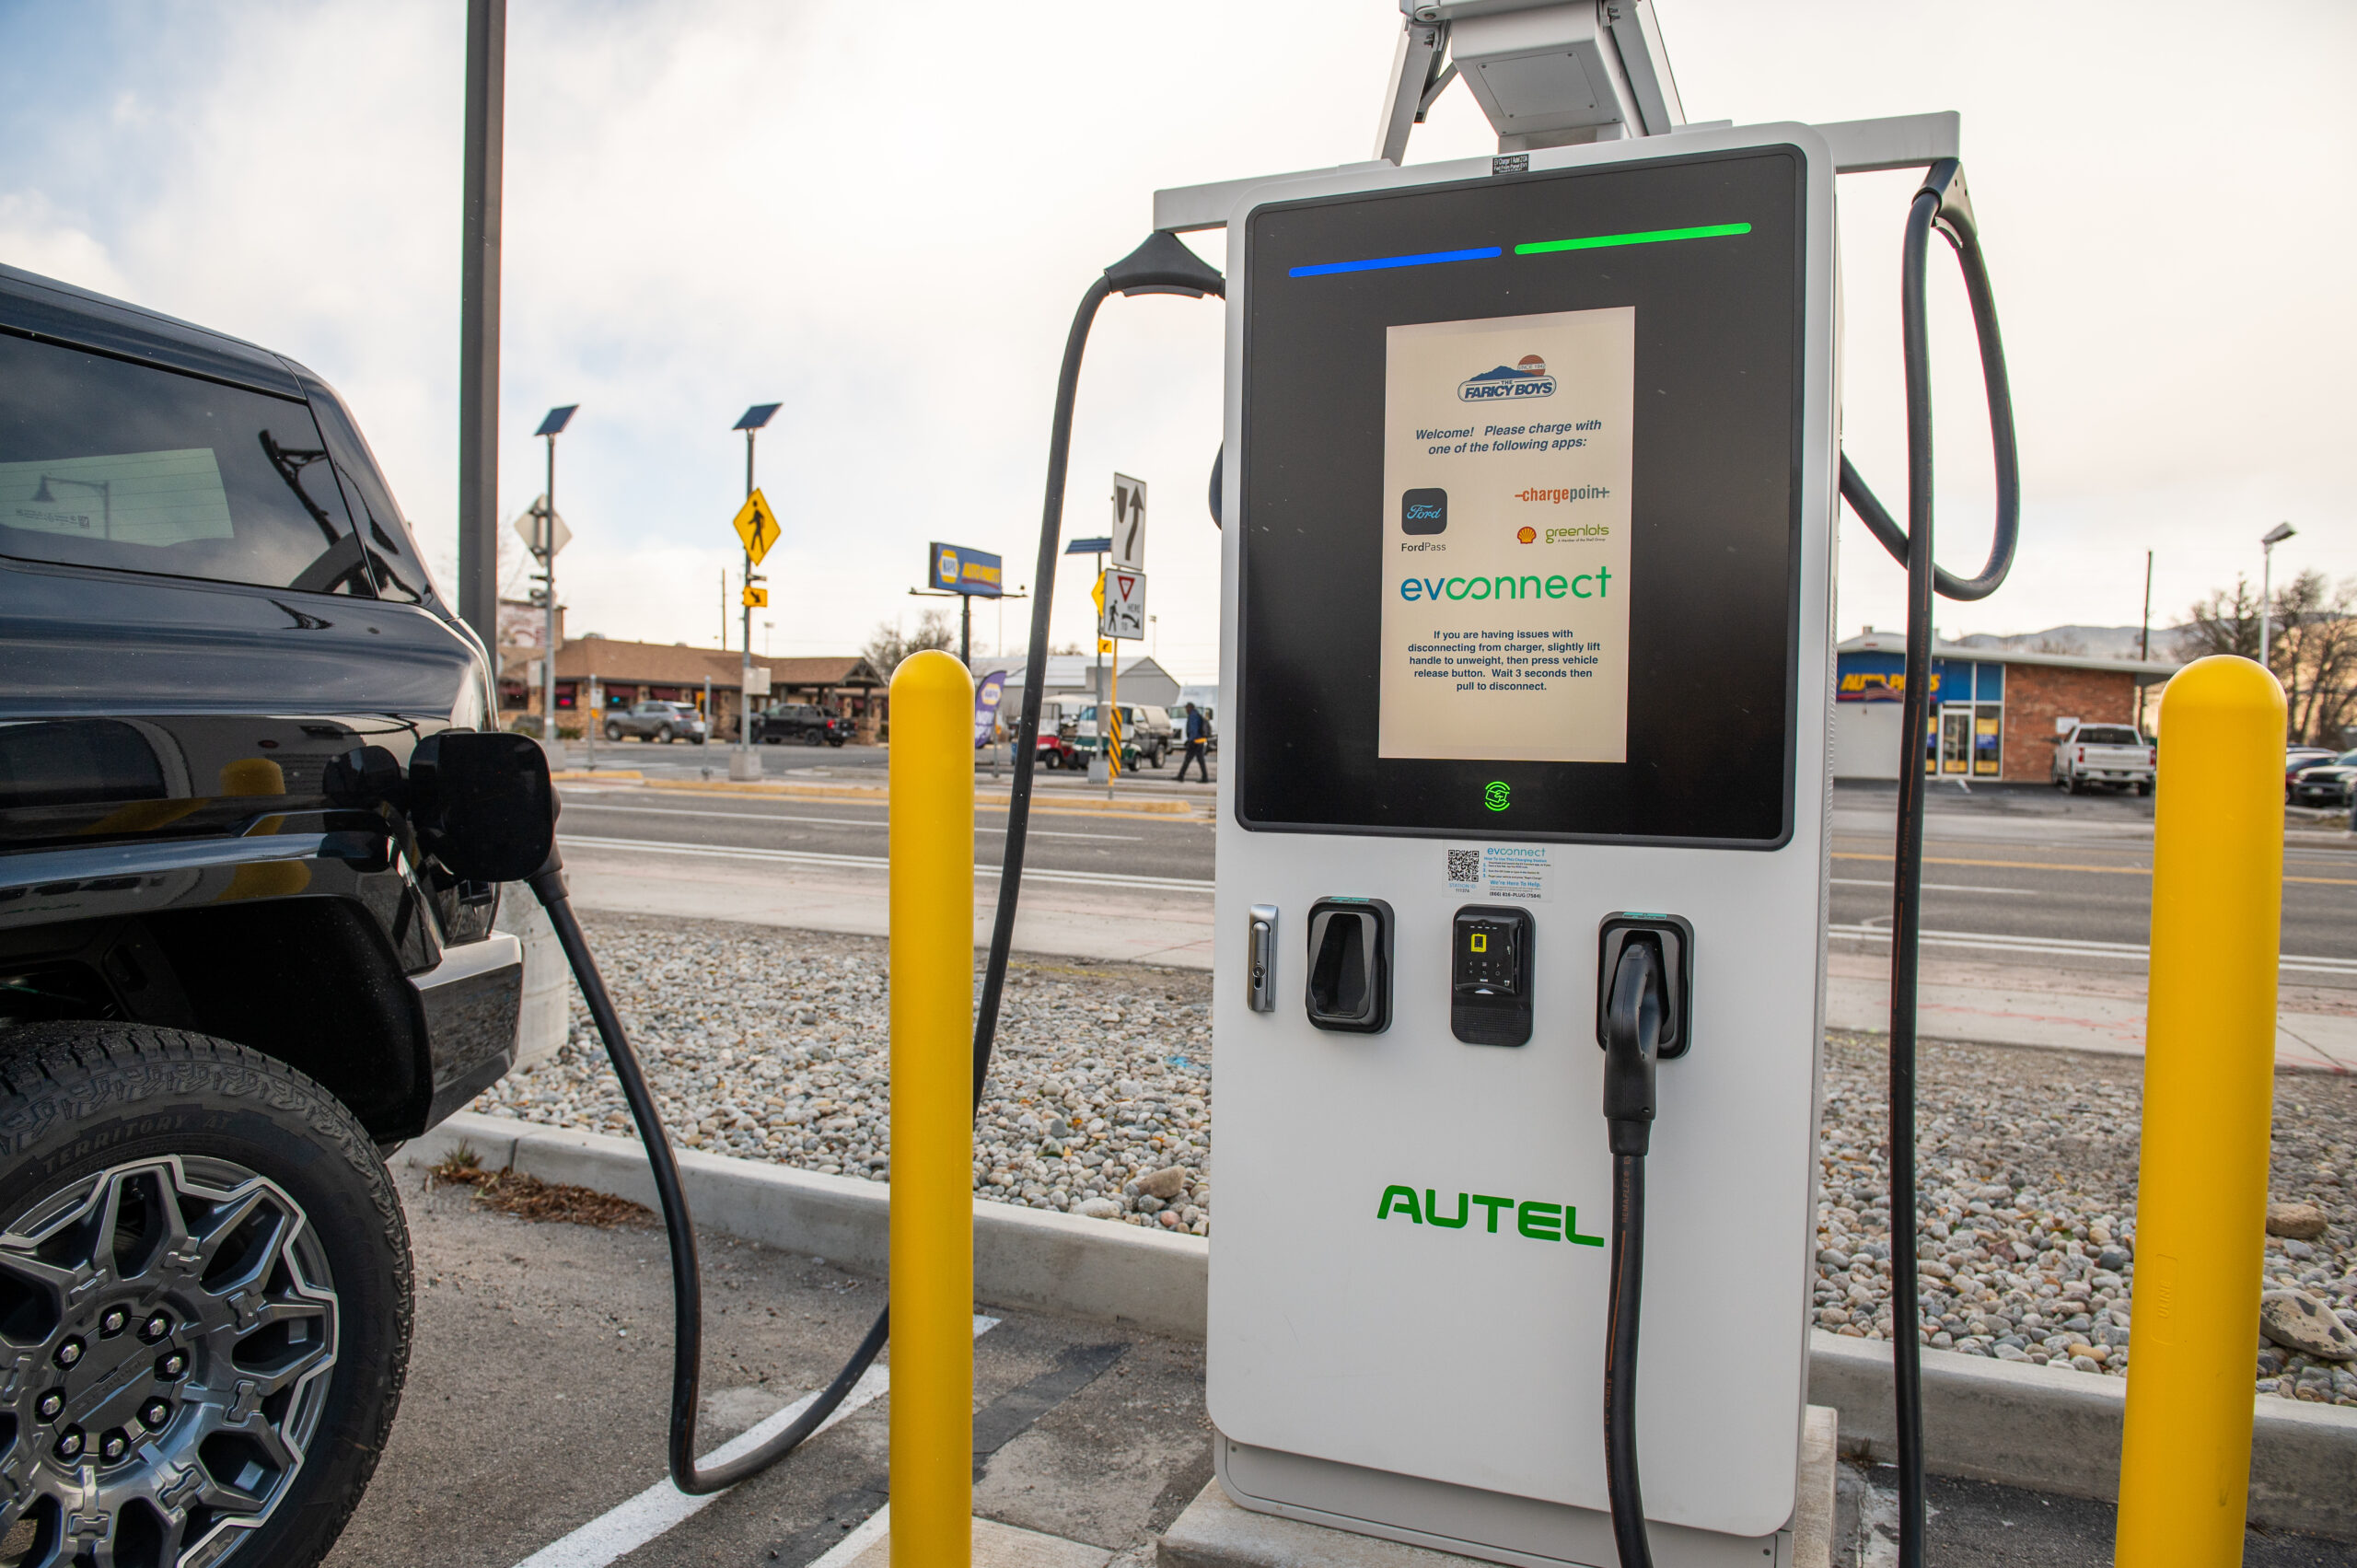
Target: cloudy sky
881, 215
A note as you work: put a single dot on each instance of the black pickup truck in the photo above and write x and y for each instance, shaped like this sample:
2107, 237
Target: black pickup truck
231, 978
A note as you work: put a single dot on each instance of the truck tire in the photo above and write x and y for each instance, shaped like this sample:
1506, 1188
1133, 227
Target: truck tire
218, 1319
812, 737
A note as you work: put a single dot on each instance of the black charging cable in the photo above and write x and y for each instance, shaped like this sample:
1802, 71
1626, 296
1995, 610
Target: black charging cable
1941, 204
1633, 1013
1161, 265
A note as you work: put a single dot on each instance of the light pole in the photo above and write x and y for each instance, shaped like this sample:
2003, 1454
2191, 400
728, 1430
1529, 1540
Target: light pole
552, 428
743, 763
2267, 543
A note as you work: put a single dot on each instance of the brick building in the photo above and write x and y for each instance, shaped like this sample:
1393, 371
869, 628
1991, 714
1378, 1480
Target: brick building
843, 684
1996, 712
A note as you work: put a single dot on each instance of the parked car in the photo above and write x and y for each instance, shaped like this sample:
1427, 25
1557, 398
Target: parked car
233, 971
1146, 735
2113, 754
2325, 783
804, 722
665, 722
2298, 757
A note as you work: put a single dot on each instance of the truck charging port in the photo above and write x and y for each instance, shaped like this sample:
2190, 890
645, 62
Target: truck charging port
1350, 965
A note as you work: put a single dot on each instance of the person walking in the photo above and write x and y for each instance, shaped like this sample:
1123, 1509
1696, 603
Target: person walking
1198, 746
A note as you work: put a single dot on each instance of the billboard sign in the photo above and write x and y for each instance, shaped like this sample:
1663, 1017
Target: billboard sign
956, 569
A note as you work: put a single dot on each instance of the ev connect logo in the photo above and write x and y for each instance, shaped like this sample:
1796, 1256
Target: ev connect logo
1526, 378
1494, 795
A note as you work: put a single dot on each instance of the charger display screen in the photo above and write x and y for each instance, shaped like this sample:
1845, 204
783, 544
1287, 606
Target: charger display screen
1520, 504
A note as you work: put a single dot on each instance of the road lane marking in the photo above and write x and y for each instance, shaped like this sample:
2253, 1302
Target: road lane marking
2063, 947
2050, 865
878, 863
629, 1525
1938, 886
828, 821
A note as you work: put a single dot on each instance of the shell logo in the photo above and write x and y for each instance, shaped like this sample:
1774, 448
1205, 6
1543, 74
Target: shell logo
1527, 535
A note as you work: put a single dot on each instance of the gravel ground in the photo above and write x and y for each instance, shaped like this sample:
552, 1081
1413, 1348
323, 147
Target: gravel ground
770, 1044
2027, 1161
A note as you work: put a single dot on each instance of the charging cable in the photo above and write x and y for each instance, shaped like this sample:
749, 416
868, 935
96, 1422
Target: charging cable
1633, 1011
1942, 203
1161, 265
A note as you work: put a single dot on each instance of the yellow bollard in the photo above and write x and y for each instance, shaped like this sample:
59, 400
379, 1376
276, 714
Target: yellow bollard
2209, 1090
931, 1282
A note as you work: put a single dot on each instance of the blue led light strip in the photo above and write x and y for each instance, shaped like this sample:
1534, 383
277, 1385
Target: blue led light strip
1380, 263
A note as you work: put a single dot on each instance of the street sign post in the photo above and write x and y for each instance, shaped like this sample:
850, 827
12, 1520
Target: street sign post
757, 526
1124, 594
1128, 522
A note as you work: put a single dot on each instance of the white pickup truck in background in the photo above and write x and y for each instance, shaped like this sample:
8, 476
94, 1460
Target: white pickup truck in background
2110, 754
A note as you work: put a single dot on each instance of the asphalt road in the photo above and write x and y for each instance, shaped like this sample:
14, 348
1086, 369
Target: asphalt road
2066, 880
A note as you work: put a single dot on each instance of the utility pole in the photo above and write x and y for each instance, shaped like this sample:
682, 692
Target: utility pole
479, 320
2144, 640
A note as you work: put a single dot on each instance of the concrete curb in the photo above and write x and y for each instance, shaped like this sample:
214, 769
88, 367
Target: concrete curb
2059, 1432
2019, 1424
1030, 1258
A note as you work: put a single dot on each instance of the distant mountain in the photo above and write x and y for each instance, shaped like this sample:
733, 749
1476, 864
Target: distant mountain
2094, 641
1502, 373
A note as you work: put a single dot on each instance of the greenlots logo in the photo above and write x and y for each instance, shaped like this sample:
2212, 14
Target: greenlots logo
1539, 1222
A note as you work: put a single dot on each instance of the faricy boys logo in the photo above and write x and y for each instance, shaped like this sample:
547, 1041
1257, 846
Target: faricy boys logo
1526, 378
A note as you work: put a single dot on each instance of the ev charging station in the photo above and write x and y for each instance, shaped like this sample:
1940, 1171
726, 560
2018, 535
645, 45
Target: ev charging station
1528, 489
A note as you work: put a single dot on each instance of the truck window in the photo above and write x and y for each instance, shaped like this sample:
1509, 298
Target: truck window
399, 574
2109, 735
107, 463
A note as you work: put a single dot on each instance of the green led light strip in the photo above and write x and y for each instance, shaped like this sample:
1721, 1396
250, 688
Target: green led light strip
1649, 236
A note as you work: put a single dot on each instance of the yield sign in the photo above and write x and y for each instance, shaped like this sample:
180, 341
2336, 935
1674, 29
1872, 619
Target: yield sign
1124, 605
757, 525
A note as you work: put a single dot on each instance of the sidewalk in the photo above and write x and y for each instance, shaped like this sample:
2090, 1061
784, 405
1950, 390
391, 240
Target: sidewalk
2068, 1009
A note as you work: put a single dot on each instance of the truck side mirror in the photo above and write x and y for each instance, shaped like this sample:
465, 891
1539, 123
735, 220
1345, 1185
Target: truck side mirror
482, 803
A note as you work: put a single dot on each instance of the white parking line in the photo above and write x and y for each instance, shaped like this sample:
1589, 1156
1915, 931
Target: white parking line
878, 863
824, 821
629, 1525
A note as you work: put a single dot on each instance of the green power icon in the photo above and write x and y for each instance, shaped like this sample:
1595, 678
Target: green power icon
1493, 795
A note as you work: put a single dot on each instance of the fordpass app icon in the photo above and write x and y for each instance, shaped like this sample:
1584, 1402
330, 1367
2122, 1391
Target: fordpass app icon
1526, 378
1424, 511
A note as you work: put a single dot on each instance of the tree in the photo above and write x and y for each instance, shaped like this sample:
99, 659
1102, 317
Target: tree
2057, 643
888, 644
2221, 624
2312, 646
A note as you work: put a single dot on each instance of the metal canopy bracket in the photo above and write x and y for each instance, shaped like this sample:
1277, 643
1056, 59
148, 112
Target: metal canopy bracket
1860, 146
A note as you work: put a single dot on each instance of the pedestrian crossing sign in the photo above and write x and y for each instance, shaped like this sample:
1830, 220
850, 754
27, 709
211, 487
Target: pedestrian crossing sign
757, 525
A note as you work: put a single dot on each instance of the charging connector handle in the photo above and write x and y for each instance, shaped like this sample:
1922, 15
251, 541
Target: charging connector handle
1632, 1020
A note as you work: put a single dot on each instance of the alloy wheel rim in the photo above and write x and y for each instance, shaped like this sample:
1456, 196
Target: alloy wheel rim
166, 1328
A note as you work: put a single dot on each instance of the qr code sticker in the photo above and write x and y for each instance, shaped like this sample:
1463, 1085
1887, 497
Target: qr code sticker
1465, 866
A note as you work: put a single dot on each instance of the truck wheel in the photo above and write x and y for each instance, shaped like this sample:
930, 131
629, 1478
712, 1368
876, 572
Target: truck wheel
205, 1282
2144, 787
811, 738
613, 732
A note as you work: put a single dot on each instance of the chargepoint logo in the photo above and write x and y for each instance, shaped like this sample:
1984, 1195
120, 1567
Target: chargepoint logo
1526, 378
1530, 1218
